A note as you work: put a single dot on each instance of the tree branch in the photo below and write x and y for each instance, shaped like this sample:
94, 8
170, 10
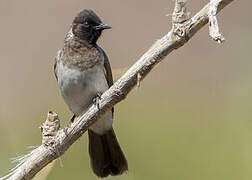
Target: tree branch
56, 142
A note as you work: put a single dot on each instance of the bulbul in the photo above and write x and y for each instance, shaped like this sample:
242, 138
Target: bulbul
83, 71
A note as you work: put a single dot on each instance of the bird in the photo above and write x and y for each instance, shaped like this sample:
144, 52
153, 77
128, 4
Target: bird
83, 72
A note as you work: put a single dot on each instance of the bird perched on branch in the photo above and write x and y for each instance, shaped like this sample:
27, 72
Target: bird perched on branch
83, 72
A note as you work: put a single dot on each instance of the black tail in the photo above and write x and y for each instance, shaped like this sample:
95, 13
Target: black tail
106, 155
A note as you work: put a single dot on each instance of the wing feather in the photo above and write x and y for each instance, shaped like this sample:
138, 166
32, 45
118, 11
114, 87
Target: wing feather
107, 71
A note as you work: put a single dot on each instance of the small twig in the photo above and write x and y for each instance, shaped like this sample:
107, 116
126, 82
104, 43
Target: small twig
49, 129
213, 22
180, 13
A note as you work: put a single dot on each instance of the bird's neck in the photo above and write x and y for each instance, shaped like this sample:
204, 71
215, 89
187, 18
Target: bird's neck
80, 54
71, 38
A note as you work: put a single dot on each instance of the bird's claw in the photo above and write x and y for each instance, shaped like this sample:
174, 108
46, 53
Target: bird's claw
97, 100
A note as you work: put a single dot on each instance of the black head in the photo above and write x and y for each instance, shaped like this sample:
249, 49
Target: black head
88, 26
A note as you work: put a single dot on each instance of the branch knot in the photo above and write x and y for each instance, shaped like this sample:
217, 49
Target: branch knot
50, 128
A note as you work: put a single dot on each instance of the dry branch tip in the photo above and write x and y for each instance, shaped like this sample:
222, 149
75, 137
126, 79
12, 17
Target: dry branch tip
50, 128
214, 31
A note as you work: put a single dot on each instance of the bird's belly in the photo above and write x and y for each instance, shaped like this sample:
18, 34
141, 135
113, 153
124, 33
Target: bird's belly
79, 88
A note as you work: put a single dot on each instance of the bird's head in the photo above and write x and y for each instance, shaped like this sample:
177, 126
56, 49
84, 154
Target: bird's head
88, 26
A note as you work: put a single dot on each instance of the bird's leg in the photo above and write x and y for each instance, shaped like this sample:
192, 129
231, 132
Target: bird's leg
97, 99
69, 124
72, 119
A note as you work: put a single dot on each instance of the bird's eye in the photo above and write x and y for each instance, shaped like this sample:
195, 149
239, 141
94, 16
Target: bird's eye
86, 23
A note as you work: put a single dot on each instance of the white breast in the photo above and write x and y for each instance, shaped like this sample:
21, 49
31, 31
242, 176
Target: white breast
79, 88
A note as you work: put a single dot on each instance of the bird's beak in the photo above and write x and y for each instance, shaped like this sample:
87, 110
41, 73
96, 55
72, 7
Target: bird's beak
102, 27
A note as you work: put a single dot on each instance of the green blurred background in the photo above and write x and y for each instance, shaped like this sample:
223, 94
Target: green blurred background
191, 117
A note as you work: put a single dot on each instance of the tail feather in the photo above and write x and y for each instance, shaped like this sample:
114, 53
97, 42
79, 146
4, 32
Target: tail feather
106, 155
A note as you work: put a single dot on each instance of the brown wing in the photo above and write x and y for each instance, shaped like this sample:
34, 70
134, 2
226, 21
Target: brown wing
108, 71
55, 69
55, 63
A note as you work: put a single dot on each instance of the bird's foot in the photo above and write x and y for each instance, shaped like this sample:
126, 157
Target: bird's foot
97, 99
69, 124
72, 119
